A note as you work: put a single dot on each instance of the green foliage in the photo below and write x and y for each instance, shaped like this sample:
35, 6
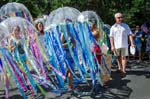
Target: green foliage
135, 11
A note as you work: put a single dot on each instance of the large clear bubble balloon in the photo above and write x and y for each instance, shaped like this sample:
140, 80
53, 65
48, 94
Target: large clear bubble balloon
3, 35
42, 19
62, 15
91, 17
22, 31
26, 28
15, 10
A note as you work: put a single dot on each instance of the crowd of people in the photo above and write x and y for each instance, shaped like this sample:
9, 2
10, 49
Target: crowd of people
120, 45
119, 37
19, 46
142, 42
66, 49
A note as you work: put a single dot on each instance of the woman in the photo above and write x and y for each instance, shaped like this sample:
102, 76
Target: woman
16, 48
42, 43
137, 40
40, 27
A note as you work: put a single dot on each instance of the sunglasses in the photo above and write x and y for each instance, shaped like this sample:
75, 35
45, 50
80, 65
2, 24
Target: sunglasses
119, 17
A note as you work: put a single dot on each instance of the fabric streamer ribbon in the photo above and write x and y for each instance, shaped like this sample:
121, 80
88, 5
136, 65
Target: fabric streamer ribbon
80, 43
53, 59
5, 60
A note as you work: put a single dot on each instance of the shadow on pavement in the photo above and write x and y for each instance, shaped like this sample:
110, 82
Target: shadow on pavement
117, 89
13, 97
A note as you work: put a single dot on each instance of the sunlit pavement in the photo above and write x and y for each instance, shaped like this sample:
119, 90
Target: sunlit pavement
136, 85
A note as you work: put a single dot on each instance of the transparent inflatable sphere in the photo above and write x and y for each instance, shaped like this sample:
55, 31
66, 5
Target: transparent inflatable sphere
14, 10
26, 28
3, 35
62, 15
41, 19
92, 18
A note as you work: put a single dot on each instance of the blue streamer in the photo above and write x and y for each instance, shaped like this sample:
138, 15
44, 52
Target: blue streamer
52, 58
64, 55
71, 52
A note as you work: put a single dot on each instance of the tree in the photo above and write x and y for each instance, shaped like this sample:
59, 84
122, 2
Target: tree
135, 11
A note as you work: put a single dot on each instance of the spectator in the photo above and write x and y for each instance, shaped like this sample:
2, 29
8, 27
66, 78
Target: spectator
137, 41
119, 33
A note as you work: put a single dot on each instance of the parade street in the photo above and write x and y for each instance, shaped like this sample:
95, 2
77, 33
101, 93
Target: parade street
134, 86
71, 49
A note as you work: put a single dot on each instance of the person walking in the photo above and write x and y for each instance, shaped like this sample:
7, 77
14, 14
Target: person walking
119, 33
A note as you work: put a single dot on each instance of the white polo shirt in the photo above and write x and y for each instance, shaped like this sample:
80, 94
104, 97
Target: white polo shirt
120, 33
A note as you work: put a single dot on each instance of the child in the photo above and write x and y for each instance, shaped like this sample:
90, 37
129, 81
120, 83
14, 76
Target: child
69, 58
97, 50
15, 44
96, 47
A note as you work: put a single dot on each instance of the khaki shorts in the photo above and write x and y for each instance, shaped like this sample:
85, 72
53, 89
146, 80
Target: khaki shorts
121, 52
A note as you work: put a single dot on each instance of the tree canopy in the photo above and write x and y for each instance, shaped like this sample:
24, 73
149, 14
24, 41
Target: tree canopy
135, 11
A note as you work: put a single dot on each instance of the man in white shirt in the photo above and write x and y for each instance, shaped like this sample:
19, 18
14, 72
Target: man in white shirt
119, 33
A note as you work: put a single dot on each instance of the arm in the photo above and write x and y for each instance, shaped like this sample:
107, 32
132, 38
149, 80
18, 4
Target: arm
130, 36
112, 39
112, 43
131, 40
139, 36
12, 48
63, 41
134, 35
10, 45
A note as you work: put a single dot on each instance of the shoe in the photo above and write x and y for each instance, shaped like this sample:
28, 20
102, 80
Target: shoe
123, 74
118, 71
105, 86
138, 61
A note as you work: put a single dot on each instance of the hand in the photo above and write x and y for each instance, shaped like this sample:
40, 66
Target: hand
113, 48
132, 45
18, 43
12, 48
133, 35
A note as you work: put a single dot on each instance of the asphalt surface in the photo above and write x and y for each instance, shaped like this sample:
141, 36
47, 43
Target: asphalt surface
136, 85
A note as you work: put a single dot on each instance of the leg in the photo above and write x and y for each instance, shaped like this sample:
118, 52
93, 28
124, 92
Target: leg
139, 52
124, 53
140, 56
117, 54
70, 78
119, 62
124, 61
6, 86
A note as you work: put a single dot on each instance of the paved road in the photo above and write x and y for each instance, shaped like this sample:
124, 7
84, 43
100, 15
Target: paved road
136, 85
